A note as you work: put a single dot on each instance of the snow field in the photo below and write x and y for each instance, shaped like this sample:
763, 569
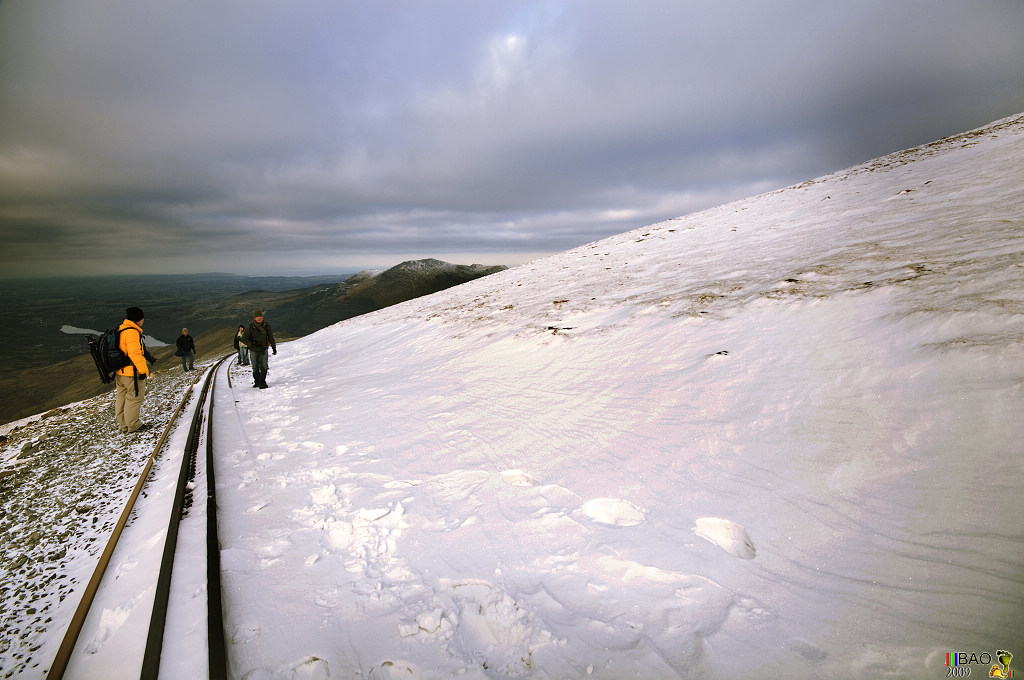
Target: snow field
744, 439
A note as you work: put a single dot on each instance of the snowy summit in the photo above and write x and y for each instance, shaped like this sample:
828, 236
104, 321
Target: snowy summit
780, 438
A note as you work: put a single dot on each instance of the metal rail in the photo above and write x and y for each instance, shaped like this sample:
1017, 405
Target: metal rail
215, 614
158, 619
154, 642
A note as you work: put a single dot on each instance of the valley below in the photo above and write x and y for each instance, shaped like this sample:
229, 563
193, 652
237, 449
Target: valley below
45, 362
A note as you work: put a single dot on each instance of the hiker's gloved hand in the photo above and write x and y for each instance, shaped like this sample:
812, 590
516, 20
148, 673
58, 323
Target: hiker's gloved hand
275, 351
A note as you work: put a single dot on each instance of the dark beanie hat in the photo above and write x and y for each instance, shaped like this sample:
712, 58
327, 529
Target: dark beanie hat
134, 314
258, 312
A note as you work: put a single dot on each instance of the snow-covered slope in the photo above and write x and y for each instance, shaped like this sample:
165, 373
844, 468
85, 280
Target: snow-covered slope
779, 438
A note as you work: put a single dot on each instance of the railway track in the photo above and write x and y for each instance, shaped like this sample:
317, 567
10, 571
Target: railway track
169, 586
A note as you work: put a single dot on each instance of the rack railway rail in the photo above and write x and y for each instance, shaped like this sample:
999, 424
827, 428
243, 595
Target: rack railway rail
147, 657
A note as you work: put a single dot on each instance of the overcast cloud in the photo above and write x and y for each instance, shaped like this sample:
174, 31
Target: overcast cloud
258, 136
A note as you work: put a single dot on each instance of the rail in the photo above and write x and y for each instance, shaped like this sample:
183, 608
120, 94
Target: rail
154, 641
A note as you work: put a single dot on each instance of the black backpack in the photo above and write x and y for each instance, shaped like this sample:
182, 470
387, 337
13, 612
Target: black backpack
106, 352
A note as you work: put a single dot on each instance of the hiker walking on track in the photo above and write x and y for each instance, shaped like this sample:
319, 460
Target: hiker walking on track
130, 385
186, 350
243, 351
258, 337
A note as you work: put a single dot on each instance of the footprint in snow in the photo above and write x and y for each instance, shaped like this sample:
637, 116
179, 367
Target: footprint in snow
111, 621
460, 484
613, 511
276, 548
310, 668
124, 567
325, 495
806, 649
393, 671
257, 507
245, 633
330, 598
490, 628
517, 478
727, 535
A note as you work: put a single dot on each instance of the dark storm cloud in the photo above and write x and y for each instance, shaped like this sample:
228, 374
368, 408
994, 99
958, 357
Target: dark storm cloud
250, 136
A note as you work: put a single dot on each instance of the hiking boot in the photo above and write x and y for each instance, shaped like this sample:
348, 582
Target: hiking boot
143, 427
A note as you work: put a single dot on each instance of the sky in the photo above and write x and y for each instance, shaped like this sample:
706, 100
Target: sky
260, 137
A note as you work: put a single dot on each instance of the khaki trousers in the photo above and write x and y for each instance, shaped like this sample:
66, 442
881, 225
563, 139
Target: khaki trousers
128, 406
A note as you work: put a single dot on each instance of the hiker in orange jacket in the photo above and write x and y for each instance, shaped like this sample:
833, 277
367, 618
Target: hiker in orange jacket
130, 385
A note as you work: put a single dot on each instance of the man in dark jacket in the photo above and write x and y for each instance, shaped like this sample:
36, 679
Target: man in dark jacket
258, 337
186, 350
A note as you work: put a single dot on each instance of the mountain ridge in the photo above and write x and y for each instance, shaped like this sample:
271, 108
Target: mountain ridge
212, 322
